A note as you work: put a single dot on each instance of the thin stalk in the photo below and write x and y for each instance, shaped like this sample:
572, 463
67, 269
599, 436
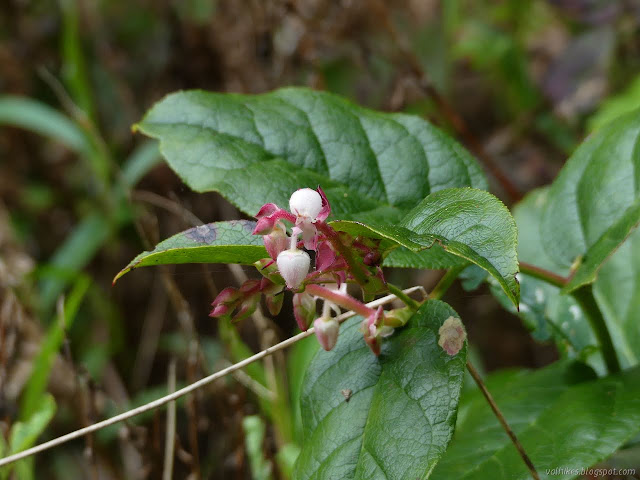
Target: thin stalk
183, 391
542, 274
503, 421
584, 297
408, 301
445, 282
345, 301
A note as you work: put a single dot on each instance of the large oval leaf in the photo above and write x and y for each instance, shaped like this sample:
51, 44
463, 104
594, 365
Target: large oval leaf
387, 417
550, 313
219, 242
594, 203
469, 223
255, 149
543, 309
560, 423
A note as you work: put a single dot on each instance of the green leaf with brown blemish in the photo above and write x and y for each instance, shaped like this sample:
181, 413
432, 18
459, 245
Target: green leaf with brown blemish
220, 242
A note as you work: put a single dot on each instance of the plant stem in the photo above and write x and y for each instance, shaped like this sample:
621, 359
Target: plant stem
584, 297
542, 274
342, 299
183, 391
408, 301
502, 420
445, 282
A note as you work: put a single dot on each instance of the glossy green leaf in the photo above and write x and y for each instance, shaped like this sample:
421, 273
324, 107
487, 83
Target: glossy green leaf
594, 205
616, 106
255, 149
471, 224
542, 308
386, 417
560, 423
604, 247
218, 242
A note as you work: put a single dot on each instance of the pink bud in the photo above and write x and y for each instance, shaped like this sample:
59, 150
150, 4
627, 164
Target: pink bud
304, 309
267, 209
226, 297
268, 218
247, 307
251, 286
219, 310
452, 335
276, 242
294, 267
271, 288
274, 303
327, 329
305, 203
373, 331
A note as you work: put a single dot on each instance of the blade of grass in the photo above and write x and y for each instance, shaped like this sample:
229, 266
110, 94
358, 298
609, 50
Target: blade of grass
37, 383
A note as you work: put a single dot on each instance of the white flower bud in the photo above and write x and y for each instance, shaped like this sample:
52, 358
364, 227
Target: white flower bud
293, 266
305, 203
452, 335
326, 329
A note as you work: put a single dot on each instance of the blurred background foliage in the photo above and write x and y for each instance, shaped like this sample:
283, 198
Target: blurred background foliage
80, 195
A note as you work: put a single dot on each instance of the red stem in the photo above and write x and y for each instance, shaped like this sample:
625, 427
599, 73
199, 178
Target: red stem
342, 299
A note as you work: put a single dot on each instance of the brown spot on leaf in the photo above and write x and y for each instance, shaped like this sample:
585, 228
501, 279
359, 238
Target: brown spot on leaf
203, 233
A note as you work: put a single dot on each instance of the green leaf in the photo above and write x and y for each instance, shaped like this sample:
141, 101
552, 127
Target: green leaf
401, 406
471, 224
219, 242
604, 247
40, 118
559, 422
254, 432
79, 247
25, 433
542, 308
255, 149
616, 106
142, 159
594, 205
37, 383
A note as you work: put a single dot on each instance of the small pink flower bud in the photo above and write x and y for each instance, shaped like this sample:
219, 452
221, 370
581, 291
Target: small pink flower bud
305, 203
267, 209
226, 297
327, 329
271, 288
304, 309
269, 270
274, 303
276, 242
220, 310
251, 286
452, 335
247, 307
373, 330
294, 267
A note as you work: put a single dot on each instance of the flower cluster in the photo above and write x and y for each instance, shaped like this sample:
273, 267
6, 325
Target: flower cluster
339, 259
